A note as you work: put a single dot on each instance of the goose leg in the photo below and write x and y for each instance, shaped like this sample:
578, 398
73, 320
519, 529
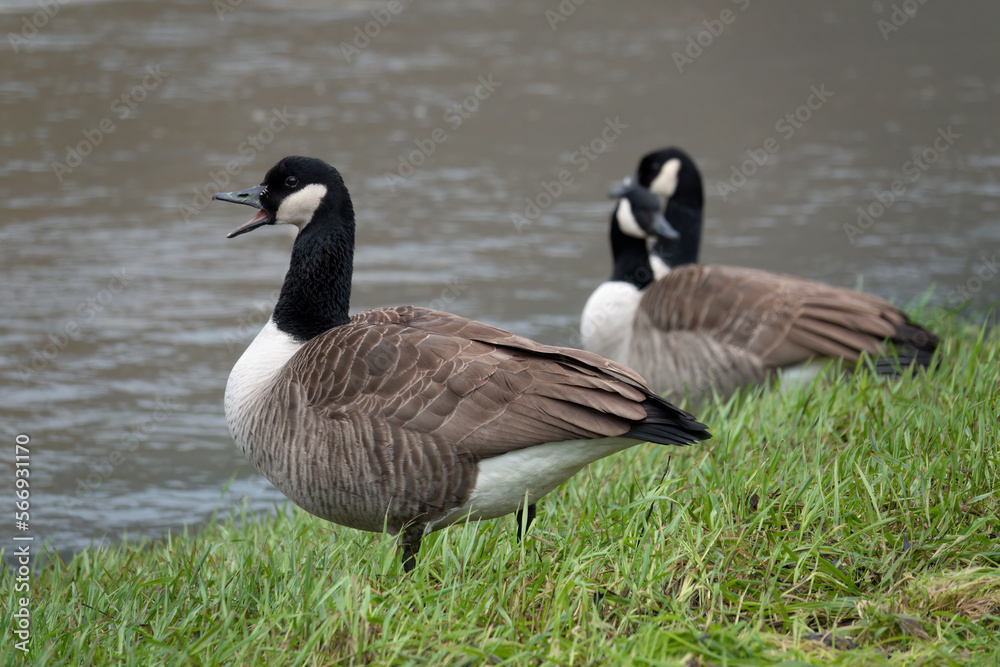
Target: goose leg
522, 524
410, 541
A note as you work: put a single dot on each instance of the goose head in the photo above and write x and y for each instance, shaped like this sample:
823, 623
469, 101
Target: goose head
672, 176
296, 191
638, 213
636, 221
671, 173
309, 194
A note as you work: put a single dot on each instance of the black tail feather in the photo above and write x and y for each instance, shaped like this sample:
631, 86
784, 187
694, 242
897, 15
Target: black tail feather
666, 424
911, 345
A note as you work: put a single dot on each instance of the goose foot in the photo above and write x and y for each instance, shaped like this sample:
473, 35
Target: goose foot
522, 524
410, 541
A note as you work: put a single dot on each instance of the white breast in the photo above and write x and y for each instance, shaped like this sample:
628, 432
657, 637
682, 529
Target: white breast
608, 317
252, 375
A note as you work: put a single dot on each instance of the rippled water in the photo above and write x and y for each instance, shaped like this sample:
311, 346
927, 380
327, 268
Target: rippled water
126, 306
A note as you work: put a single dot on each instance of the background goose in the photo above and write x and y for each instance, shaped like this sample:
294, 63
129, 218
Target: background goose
408, 419
692, 329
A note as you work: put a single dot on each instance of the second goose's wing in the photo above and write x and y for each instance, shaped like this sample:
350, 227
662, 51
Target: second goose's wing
779, 318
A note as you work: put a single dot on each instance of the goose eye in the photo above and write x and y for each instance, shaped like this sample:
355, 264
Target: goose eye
291, 181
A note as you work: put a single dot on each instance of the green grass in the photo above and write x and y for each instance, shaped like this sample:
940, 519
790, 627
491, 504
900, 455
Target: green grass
853, 522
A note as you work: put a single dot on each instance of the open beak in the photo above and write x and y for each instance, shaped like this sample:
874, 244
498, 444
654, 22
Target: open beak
248, 197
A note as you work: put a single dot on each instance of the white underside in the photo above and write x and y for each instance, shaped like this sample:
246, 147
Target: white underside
516, 479
608, 318
801, 375
252, 374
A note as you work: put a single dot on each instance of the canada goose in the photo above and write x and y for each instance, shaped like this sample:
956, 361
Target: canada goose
692, 329
408, 419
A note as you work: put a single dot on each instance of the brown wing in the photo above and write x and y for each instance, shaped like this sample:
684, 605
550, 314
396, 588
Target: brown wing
779, 318
466, 381
405, 401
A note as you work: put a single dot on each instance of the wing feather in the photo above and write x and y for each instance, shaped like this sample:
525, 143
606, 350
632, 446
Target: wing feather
466, 382
383, 421
781, 319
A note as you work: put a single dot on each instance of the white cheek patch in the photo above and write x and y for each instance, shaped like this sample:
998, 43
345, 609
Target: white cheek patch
626, 220
665, 182
298, 208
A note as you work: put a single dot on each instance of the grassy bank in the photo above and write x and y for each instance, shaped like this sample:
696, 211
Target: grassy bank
855, 522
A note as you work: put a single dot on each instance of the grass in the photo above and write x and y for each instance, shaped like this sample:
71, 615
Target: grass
853, 522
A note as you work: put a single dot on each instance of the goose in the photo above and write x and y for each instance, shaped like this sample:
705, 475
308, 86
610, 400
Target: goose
692, 329
407, 419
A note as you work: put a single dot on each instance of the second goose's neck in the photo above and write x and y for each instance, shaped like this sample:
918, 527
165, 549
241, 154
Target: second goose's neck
316, 294
631, 259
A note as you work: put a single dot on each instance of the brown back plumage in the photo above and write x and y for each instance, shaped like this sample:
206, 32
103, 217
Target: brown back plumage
384, 419
735, 324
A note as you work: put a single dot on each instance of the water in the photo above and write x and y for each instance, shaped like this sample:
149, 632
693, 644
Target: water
126, 307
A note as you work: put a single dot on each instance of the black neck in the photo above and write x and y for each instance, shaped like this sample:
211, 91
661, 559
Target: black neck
316, 294
687, 222
631, 258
